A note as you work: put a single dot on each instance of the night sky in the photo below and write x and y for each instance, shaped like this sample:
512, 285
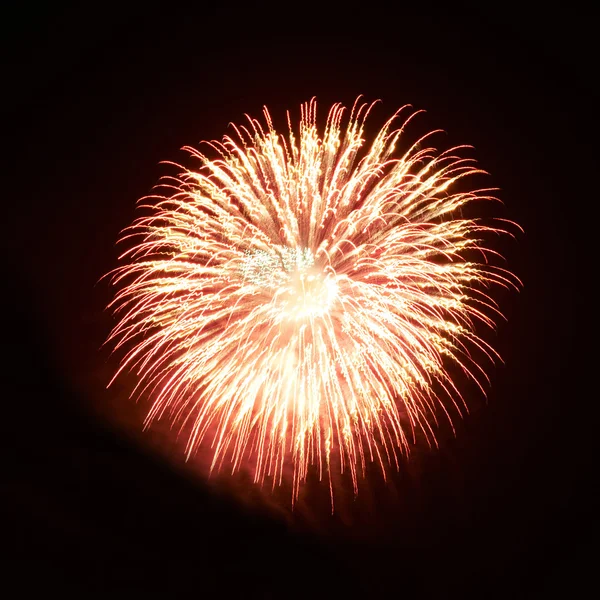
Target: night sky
94, 99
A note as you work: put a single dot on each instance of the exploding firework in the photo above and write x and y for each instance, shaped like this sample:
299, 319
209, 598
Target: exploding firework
299, 300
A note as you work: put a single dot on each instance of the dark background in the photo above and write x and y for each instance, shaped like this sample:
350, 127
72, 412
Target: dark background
94, 97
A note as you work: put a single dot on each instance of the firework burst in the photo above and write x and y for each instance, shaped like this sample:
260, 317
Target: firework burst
297, 300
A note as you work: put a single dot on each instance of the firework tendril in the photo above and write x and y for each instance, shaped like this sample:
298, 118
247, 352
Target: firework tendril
297, 300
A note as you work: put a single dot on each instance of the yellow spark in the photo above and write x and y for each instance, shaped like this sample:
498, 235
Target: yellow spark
295, 300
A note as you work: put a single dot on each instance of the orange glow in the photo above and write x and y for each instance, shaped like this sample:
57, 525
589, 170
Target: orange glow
296, 300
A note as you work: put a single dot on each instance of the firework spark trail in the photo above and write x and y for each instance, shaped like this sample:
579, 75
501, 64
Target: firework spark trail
296, 300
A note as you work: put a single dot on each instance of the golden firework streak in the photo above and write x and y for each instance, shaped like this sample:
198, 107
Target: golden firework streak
295, 300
